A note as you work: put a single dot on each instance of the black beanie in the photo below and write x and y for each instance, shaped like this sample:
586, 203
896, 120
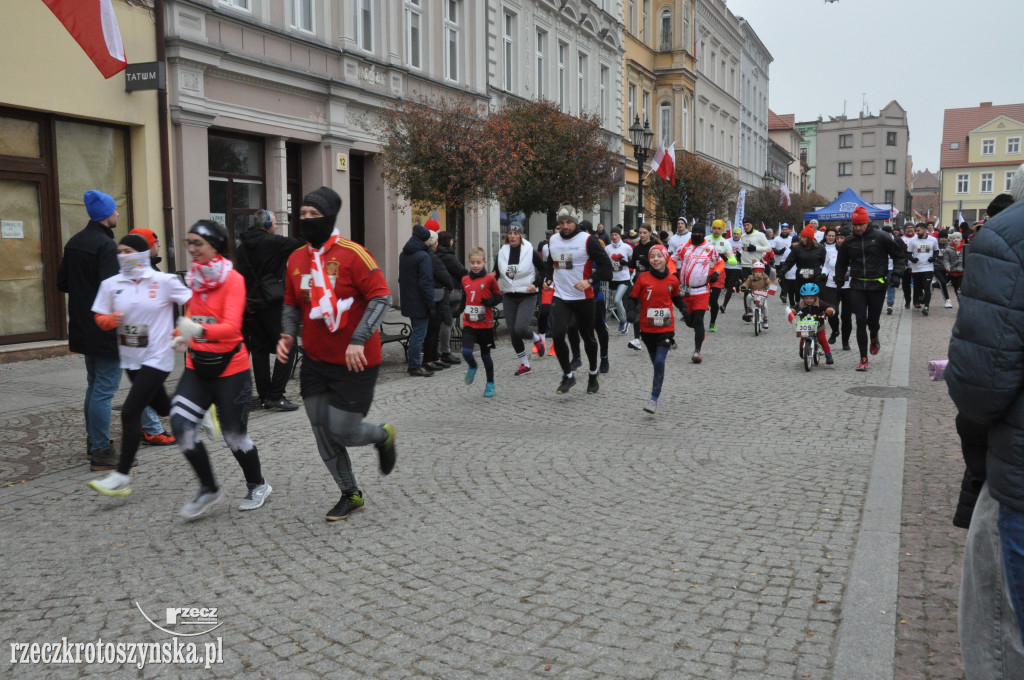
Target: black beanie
700, 229
325, 200
135, 242
421, 232
998, 204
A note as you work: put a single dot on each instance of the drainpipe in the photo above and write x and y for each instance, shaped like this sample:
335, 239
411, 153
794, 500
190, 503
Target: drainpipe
165, 154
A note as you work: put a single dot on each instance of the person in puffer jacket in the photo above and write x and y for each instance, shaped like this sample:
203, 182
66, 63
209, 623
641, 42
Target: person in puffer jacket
951, 260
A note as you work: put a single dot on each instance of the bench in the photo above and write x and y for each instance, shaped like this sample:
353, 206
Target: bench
396, 331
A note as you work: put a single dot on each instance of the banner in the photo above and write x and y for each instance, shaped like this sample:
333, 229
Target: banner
741, 202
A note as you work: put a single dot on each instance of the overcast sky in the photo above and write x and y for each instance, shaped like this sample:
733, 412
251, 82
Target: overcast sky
928, 55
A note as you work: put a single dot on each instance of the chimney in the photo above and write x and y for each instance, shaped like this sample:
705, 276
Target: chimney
985, 104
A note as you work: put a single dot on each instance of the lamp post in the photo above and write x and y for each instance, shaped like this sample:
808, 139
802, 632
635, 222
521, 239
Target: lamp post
640, 137
767, 179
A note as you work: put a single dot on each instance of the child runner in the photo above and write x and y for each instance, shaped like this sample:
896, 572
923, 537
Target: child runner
812, 305
758, 280
480, 292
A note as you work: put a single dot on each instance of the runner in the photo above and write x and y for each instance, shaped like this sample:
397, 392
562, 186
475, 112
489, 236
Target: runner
520, 273
733, 266
805, 260
701, 266
651, 300
845, 306
480, 293
575, 262
907, 281
682, 236
829, 292
340, 325
952, 261
216, 369
781, 246
724, 248
864, 256
620, 252
139, 303
922, 251
755, 248
638, 263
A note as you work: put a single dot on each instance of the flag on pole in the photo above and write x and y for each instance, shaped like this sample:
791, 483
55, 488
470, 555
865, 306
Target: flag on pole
918, 217
960, 221
894, 212
94, 27
784, 200
664, 163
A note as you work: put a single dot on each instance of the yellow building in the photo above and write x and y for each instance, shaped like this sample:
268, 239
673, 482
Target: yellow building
64, 129
659, 81
981, 150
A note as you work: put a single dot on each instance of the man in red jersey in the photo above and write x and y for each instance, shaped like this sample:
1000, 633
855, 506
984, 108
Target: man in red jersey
336, 292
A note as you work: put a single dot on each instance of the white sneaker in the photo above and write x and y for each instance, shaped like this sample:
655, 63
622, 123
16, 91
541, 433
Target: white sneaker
636, 344
651, 406
114, 484
256, 496
201, 503
949, 304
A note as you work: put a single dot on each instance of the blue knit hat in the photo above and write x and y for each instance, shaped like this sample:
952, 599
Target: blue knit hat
99, 205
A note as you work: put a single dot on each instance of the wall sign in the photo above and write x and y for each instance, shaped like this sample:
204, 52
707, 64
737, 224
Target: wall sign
12, 228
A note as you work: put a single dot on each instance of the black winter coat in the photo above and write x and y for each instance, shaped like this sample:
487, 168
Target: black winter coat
802, 258
452, 264
985, 375
90, 256
442, 279
865, 259
261, 253
416, 280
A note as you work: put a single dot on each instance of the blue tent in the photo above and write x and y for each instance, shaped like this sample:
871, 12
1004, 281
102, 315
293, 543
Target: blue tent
842, 208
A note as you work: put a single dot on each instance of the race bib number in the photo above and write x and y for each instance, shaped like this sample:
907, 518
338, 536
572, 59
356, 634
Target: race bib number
806, 273
659, 316
206, 321
924, 249
616, 266
134, 335
476, 313
306, 282
562, 260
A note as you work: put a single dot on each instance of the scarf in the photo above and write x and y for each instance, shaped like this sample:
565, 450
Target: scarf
202, 278
133, 265
324, 304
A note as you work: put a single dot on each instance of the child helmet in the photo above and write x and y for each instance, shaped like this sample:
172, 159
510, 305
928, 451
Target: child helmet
809, 289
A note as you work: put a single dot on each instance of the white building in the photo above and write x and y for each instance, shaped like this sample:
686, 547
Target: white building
753, 108
719, 54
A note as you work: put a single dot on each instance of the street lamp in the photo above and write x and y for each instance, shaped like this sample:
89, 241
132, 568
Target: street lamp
767, 179
640, 137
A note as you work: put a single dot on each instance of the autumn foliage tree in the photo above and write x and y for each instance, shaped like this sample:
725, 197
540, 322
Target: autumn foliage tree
702, 189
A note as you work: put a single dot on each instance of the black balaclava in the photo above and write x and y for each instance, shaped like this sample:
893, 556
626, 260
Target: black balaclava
698, 233
316, 230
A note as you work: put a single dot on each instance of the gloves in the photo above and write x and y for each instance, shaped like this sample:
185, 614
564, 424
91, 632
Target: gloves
751, 248
180, 344
713, 277
189, 329
894, 280
931, 259
912, 259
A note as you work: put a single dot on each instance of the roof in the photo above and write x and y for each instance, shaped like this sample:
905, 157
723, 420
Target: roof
957, 123
926, 179
784, 122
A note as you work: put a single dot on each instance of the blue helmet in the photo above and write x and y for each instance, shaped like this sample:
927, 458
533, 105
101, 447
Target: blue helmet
809, 289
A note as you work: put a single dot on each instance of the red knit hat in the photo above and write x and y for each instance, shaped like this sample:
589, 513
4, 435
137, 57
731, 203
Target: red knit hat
147, 234
808, 232
860, 215
432, 225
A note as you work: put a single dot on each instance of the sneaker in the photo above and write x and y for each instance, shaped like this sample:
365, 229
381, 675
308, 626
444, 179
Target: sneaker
160, 439
348, 504
924, 311
114, 484
523, 369
829, 360
712, 329
917, 305
256, 496
888, 310
846, 346
863, 365
104, 459
651, 406
386, 452
832, 338
906, 305
875, 345
201, 503
551, 350
764, 325
592, 384
575, 364
747, 316
489, 389
470, 374
721, 309
281, 404
635, 344
211, 423
696, 358
624, 327
451, 359
949, 304
603, 368
566, 384
539, 348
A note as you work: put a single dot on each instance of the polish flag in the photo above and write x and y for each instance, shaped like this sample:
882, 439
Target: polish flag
664, 163
93, 26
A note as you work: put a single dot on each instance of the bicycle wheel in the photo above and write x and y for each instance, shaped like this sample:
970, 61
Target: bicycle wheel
808, 351
816, 352
757, 321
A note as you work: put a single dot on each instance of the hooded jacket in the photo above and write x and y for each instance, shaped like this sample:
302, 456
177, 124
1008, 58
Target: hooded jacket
416, 276
263, 254
90, 256
865, 259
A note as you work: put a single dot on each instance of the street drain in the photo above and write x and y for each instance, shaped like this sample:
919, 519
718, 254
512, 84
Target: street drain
881, 391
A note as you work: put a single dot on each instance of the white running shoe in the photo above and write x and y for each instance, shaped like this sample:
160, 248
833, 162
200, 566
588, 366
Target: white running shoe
651, 406
256, 496
636, 344
201, 503
949, 304
114, 484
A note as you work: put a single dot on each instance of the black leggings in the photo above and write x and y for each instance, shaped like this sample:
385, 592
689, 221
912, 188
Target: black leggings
518, 310
147, 390
715, 294
845, 315
867, 307
231, 394
733, 278
955, 282
698, 329
923, 287
562, 312
543, 319
905, 284
601, 327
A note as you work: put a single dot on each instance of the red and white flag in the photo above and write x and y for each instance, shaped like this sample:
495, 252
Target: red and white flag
664, 163
94, 27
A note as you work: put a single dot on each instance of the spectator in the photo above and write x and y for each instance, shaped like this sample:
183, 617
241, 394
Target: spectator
446, 251
416, 286
443, 286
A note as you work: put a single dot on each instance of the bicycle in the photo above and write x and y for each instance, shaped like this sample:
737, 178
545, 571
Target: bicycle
758, 299
807, 330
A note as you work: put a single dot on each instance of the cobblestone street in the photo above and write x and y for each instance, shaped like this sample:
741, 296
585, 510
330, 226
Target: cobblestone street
570, 536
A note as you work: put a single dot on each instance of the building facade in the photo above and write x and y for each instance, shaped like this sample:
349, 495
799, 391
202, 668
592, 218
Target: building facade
924, 190
981, 150
64, 129
809, 152
754, 64
867, 154
783, 133
717, 90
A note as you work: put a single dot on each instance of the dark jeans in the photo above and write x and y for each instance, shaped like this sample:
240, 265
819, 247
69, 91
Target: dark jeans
419, 334
1011, 537
262, 330
432, 338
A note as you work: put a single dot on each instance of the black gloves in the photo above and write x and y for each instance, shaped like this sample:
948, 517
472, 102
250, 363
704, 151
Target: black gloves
713, 277
751, 248
931, 259
894, 280
912, 259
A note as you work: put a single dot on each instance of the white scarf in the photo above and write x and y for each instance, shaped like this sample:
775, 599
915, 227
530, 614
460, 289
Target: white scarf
324, 303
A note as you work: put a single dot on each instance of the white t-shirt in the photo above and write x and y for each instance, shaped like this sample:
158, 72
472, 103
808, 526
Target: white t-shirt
829, 269
619, 254
144, 337
923, 249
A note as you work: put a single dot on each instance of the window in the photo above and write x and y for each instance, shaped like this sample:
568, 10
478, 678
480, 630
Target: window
845, 169
645, 110
686, 27
302, 15
963, 184
686, 122
236, 179
631, 17
988, 147
238, 4
563, 51
890, 139
890, 196
604, 95
732, 80
413, 49
1012, 145
699, 142
363, 21
890, 167
666, 30
711, 141
845, 141
644, 20
541, 40
451, 39
867, 139
954, 146
581, 81
867, 194
508, 49
665, 123
1007, 180
711, 65
631, 103
986, 182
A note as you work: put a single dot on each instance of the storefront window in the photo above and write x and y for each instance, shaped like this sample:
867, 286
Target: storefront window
90, 157
19, 137
236, 180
